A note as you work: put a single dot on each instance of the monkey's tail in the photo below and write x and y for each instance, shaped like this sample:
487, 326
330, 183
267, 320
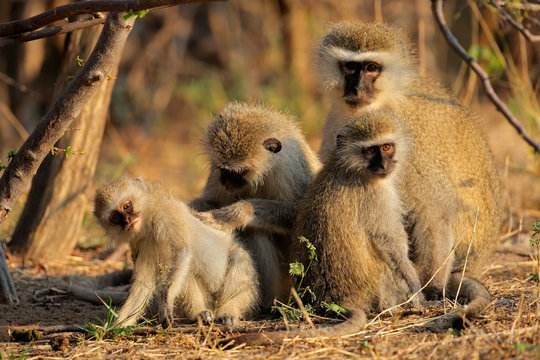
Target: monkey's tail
348, 327
478, 299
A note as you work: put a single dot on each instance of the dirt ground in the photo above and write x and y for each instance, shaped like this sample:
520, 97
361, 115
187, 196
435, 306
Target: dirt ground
508, 329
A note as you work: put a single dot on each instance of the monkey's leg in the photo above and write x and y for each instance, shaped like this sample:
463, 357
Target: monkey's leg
267, 258
239, 293
196, 301
433, 240
173, 279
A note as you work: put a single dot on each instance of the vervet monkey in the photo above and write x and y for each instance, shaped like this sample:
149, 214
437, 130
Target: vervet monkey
176, 256
451, 192
352, 214
260, 166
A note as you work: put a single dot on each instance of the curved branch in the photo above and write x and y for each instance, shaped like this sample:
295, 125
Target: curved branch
67, 107
508, 18
81, 7
51, 31
437, 9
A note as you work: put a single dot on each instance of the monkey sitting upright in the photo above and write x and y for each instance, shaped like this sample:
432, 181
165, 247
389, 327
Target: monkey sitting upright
261, 165
175, 256
352, 214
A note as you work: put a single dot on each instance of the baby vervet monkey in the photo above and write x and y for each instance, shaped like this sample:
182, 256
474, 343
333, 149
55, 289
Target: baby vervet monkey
352, 214
451, 193
175, 255
260, 166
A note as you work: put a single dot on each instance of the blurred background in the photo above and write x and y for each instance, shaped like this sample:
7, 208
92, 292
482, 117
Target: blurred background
181, 64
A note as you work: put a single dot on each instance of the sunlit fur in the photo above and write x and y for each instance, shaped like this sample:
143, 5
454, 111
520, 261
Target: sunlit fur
354, 220
176, 256
451, 176
263, 211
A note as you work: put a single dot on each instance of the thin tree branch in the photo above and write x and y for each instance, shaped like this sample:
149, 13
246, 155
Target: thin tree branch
50, 31
81, 7
67, 107
437, 9
508, 18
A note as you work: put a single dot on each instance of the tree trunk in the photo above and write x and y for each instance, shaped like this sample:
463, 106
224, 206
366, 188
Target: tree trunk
50, 222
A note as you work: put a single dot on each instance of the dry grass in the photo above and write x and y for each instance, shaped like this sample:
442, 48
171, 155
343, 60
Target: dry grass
509, 328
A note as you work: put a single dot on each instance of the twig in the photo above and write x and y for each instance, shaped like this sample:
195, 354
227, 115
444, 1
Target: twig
82, 7
51, 31
437, 9
519, 27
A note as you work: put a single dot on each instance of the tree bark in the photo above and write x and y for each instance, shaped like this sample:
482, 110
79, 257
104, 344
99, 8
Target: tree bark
53, 125
51, 220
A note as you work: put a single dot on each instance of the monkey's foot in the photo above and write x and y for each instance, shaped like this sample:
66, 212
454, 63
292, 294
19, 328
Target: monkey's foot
228, 319
433, 293
206, 316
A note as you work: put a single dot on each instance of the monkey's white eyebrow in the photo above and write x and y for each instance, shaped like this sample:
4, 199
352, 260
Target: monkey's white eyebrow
349, 55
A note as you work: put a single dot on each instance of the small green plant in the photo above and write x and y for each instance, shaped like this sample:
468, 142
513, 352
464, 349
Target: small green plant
22, 355
135, 13
298, 272
107, 329
2, 167
67, 151
11, 154
80, 62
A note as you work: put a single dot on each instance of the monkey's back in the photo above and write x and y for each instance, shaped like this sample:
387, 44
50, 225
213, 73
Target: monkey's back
451, 160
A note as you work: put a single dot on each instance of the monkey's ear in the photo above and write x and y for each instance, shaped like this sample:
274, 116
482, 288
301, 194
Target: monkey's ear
272, 144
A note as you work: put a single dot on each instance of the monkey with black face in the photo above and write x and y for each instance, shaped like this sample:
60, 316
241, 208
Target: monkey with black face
176, 256
353, 216
451, 192
261, 165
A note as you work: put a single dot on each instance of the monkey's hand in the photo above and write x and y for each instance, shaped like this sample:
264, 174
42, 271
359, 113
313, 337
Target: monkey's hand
228, 218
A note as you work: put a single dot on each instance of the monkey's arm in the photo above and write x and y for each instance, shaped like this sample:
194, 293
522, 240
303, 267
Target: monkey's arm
139, 295
398, 250
269, 215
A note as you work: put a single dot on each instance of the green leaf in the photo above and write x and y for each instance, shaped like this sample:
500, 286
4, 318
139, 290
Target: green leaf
11, 154
296, 269
135, 13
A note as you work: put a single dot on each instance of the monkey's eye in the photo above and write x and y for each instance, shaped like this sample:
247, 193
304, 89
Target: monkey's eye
126, 205
349, 67
369, 151
387, 147
372, 67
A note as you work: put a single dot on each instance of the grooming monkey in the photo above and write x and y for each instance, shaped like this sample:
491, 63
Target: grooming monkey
260, 166
450, 189
176, 256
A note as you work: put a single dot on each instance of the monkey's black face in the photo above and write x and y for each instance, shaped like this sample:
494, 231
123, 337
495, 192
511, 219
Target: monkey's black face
359, 89
125, 216
380, 159
232, 180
